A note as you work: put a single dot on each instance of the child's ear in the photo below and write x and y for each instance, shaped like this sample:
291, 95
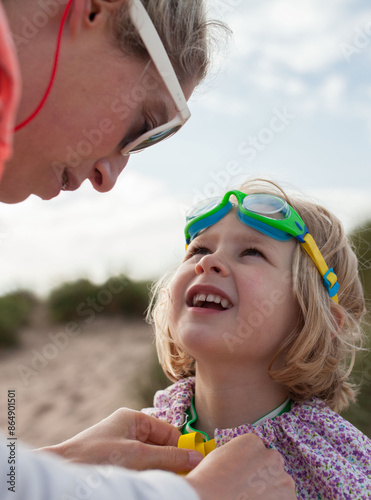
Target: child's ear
90, 13
339, 317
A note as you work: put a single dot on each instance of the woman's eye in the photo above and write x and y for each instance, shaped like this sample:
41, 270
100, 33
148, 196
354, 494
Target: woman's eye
134, 135
146, 128
252, 252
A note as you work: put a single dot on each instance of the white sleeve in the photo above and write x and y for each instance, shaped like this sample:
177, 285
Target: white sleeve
41, 476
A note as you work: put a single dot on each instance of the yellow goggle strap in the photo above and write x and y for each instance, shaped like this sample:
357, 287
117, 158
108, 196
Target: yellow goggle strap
195, 441
328, 275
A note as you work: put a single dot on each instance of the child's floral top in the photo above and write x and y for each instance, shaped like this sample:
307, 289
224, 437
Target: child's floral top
327, 457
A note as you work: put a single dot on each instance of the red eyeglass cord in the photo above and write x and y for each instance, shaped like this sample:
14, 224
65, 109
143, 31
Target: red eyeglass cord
54, 71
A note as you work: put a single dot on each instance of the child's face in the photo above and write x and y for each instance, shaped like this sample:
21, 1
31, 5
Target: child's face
245, 278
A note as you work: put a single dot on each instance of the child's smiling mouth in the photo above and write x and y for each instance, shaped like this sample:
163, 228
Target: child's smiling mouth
211, 301
208, 297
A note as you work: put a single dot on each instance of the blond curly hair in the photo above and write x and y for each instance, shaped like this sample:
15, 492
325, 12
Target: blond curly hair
319, 353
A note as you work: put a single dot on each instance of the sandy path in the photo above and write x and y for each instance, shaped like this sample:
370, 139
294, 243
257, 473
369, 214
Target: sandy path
83, 381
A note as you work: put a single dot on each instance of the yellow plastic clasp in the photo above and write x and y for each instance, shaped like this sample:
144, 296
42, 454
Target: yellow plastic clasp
195, 441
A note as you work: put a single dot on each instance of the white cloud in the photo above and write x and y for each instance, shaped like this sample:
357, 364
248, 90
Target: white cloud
351, 206
284, 53
332, 91
304, 37
96, 237
89, 234
220, 103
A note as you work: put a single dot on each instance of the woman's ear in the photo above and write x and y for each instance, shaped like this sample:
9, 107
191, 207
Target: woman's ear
79, 12
89, 13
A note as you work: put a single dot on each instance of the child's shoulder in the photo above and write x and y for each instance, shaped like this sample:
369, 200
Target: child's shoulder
312, 425
171, 403
315, 415
319, 444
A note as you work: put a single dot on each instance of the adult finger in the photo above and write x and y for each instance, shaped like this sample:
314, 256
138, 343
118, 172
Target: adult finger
153, 431
243, 468
141, 456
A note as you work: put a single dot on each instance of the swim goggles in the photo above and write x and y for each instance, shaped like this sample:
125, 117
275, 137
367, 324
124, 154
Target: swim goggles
268, 214
156, 50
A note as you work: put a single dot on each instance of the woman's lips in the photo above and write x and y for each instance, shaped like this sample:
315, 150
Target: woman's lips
69, 181
65, 180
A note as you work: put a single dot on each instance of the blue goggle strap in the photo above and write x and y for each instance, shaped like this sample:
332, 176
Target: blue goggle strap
263, 227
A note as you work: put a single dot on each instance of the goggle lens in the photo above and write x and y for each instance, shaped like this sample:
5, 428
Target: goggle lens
267, 205
202, 208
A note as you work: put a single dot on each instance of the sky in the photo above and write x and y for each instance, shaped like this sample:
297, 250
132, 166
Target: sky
288, 98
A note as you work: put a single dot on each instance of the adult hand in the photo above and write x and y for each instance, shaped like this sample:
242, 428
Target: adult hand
243, 469
130, 439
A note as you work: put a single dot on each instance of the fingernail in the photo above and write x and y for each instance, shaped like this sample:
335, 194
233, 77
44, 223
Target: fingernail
194, 458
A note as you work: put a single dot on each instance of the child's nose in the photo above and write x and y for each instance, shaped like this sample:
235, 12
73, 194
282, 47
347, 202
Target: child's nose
211, 263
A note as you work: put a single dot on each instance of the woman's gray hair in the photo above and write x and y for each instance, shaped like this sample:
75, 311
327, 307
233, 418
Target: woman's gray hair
188, 36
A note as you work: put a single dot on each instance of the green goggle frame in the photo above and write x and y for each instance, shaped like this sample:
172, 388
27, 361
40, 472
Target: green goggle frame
268, 214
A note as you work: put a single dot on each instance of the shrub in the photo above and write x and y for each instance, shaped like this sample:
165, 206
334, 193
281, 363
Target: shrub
15, 312
117, 296
361, 239
148, 380
63, 301
133, 299
360, 414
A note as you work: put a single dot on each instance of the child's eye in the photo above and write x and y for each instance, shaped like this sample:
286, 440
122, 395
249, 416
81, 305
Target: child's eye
198, 250
253, 252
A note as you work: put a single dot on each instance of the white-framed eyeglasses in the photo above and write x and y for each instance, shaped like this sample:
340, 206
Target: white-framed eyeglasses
156, 50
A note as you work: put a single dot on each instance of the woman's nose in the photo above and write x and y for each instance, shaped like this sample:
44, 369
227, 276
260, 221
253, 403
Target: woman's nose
211, 263
106, 171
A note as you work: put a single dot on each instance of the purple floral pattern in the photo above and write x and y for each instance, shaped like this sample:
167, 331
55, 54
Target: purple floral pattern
327, 457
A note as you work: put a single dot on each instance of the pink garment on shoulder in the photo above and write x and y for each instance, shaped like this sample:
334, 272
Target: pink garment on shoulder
328, 458
10, 87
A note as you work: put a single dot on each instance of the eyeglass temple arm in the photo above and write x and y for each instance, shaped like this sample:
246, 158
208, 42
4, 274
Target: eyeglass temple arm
158, 54
328, 275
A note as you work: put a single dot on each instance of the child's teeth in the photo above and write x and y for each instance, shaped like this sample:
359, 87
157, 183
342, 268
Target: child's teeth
225, 303
199, 298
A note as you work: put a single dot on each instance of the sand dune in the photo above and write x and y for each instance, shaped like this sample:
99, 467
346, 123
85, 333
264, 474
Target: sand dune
63, 385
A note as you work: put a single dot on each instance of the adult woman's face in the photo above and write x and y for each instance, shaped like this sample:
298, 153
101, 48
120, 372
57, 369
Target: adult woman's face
100, 100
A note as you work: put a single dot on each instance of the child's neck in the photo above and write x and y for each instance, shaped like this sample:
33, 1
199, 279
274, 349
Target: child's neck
231, 399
